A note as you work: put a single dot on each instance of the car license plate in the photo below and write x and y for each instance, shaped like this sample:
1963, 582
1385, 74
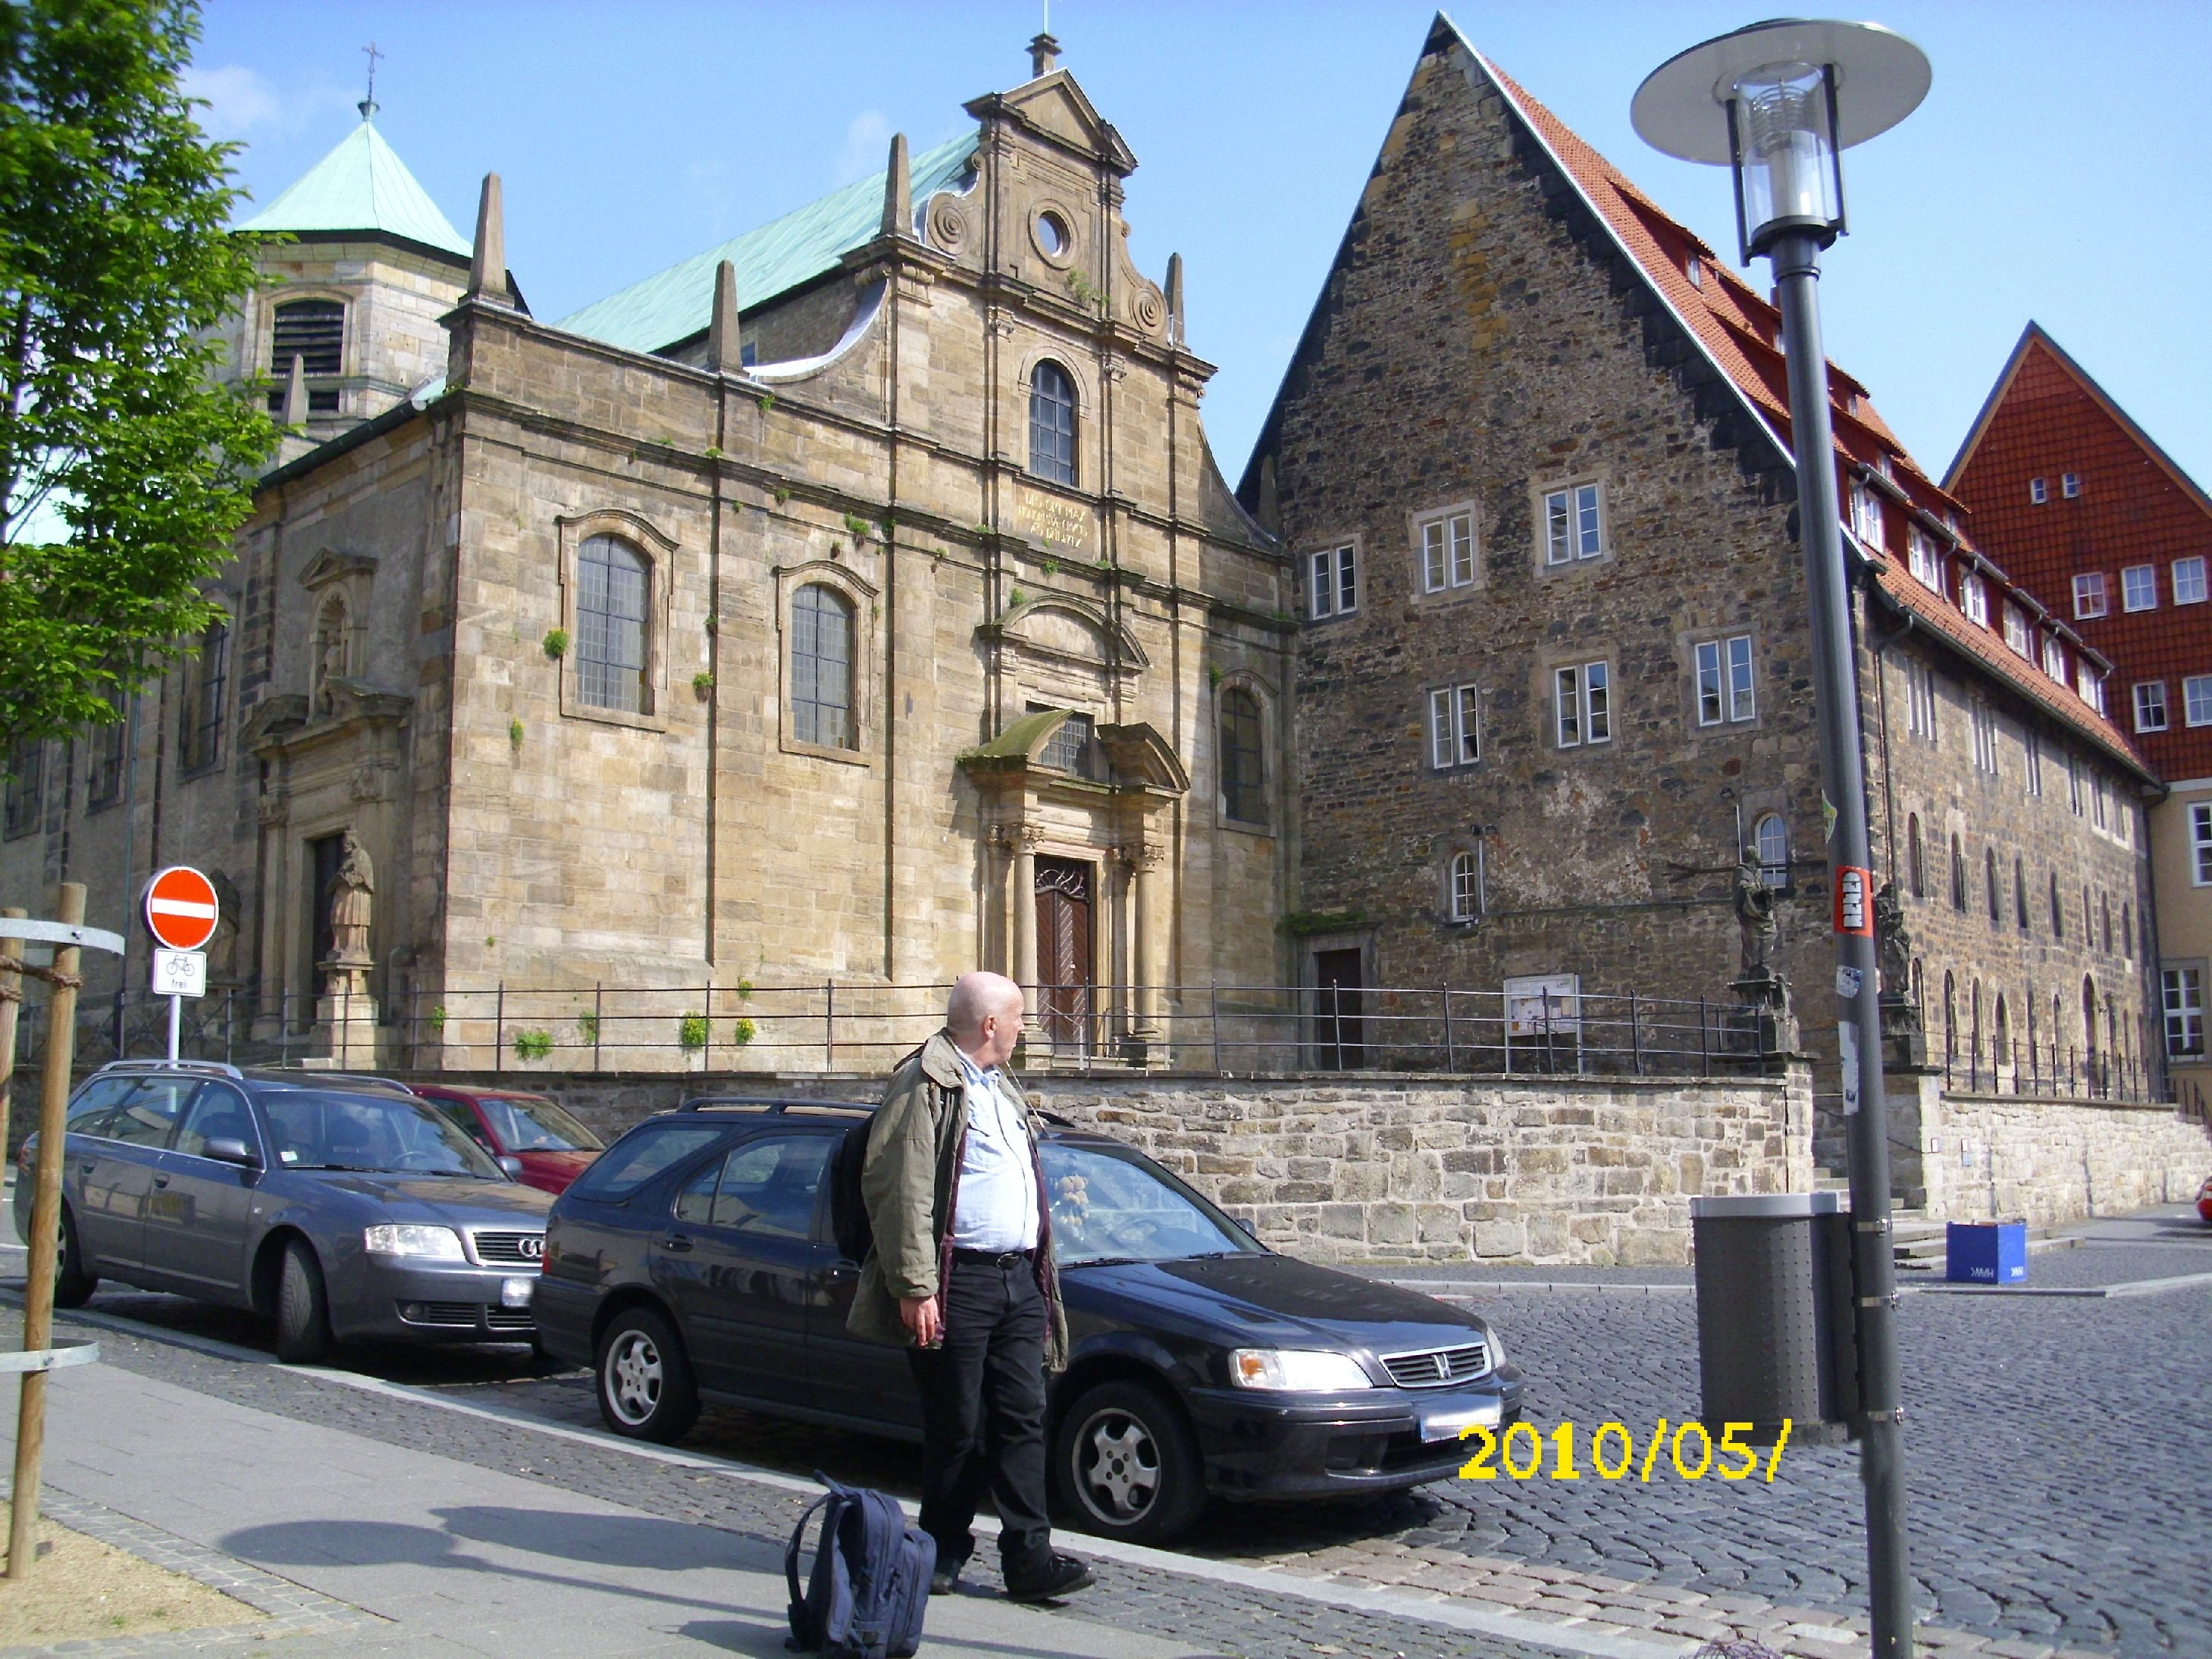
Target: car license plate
1450, 1425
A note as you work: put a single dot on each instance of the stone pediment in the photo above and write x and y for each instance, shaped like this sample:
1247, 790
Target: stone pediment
1071, 631
1055, 107
333, 564
1139, 754
282, 722
273, 719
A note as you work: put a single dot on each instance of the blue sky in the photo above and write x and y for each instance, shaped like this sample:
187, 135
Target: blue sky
2061, 168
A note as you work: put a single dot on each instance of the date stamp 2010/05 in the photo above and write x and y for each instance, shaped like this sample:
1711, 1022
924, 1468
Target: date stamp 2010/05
1611, 1452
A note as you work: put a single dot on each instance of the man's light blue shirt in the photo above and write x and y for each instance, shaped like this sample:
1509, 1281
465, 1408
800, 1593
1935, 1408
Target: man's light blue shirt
997, 1208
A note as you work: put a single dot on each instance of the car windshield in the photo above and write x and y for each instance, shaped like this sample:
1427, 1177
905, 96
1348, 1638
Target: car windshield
383, 1133
1112, 1204
532, 1123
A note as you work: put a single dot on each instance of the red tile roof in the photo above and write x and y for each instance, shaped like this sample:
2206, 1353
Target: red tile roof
1739, 332
2047, 417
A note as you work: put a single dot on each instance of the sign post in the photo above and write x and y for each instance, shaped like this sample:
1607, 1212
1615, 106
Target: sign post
181, 912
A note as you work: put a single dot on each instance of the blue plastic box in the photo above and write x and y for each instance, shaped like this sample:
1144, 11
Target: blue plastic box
1987, 1252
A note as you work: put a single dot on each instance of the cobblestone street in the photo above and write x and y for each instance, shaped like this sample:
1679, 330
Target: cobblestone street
2055, 1457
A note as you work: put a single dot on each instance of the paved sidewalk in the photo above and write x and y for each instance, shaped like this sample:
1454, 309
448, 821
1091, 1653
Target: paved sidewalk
447, 1559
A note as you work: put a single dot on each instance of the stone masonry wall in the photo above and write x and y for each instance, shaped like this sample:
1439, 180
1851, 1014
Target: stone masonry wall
1404, 1167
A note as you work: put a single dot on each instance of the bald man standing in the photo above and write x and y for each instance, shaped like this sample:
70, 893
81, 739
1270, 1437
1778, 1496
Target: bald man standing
962, 1274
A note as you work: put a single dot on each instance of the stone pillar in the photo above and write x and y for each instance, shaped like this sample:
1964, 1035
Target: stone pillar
1144, 933
1023, 897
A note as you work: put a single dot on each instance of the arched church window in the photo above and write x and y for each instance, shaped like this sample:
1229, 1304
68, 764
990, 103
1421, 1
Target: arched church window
1243, 760
1771, 837
1466, 886
1052, 423
613, 584
209, 678
822, 668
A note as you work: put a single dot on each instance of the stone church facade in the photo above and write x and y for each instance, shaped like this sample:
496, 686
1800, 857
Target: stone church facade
1531, 460
856, 603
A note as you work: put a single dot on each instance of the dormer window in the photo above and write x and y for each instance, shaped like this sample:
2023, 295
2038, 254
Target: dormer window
1927, 560
1973, 598
1866, 516
2069, 484
2054, 658
2038, 490
313, 331
1694, 269
2017, 633
2093, 688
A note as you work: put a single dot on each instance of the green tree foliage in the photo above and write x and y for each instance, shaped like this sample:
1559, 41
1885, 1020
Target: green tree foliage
114, 267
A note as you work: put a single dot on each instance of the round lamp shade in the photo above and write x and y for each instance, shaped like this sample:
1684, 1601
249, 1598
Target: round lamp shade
1880, 78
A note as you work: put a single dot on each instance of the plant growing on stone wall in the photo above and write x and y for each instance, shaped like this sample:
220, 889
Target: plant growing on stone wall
436, 1019
1086, 292
1213, 676
744, 1032
767, 401
714, 452
1015, 597
533, 1045
691, 1032
557, 643
982, 530
857, 527
703, 686
514, 731
744, 990
781, 494
587, 1028
1049, 565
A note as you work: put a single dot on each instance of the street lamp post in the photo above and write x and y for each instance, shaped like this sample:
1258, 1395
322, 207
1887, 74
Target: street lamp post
1776, 103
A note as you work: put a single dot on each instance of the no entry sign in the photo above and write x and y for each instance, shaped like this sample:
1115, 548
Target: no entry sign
180, 908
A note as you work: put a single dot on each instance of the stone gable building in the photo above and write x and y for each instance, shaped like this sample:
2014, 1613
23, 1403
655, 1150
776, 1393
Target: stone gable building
1532, 461
2094, 516
856, 603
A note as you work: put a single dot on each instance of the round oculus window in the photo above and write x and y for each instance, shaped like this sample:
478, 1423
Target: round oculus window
1052, 234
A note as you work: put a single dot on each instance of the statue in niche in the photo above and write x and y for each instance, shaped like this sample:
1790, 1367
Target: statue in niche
1754, 915
330, 663
352, 897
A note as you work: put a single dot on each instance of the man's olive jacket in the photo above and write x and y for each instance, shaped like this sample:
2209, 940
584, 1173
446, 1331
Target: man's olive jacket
910, 1182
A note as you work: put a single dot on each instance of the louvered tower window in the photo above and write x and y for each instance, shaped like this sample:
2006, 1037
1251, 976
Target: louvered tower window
314, 331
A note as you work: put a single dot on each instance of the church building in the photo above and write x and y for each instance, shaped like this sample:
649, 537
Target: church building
852, 604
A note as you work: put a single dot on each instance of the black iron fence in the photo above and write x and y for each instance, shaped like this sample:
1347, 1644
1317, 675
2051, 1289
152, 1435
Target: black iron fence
2049, 1071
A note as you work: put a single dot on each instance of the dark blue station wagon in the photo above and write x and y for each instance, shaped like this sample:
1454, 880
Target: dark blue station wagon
695, 1260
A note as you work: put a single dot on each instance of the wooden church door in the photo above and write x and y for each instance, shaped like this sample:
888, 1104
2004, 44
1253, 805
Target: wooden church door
1063, 935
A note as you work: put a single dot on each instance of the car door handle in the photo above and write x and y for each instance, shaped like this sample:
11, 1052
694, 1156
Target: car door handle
160, 1180
676, 1241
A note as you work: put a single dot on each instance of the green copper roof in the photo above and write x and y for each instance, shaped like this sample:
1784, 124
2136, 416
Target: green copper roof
676, 304
362, 184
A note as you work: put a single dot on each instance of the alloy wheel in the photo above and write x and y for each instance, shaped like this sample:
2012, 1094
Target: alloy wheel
634, 1376
1117, 1466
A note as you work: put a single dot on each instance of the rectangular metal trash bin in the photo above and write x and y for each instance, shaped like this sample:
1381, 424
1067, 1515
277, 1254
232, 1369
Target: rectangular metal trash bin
1775, 1316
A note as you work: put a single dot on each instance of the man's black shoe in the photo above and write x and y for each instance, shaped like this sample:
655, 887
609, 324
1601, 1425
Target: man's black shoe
1062, 1575
943, 1581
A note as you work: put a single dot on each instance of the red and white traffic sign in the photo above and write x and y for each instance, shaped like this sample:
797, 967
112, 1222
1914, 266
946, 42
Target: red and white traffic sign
181, 907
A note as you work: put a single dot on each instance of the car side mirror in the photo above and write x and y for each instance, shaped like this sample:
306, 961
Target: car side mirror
510, 1167
1250, 1231
225, 1149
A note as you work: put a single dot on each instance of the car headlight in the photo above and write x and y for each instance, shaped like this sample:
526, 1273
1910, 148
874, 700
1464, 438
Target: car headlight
1497, 1345
1297, 1369
428, 1243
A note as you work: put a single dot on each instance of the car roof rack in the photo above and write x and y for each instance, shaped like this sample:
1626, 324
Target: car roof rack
212, 1067
304, 1078
769, 1105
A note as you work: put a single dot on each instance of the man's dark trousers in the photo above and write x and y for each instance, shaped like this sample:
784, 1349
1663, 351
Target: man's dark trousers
982, 1414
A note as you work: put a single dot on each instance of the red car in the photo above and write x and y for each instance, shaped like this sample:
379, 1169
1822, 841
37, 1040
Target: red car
535, 1140
2205, 1200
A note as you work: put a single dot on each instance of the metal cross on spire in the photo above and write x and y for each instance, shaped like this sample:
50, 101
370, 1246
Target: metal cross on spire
368, 105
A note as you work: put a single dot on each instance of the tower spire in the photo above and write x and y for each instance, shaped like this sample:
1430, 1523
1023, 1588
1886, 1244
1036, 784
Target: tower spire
368, 105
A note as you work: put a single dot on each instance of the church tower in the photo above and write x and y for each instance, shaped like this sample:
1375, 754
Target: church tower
345, 321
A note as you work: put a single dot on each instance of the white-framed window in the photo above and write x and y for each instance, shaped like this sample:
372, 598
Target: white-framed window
2184, 994
2092, 684
1574, 523
1725, 692
2090, 594
1973, 597
2099, 798
1920, 699
2037, 491
2196, 699
1466, 879
2189, 580
1333, 580
2069, 484
1455, 726
2074, 784
2150, 705
1985, 737
1925, 558
2017, 633
2054, 658
2031, 768
1771, 835
1447, 551
2139, 587
1866, 515
2200, 843
1582, 704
